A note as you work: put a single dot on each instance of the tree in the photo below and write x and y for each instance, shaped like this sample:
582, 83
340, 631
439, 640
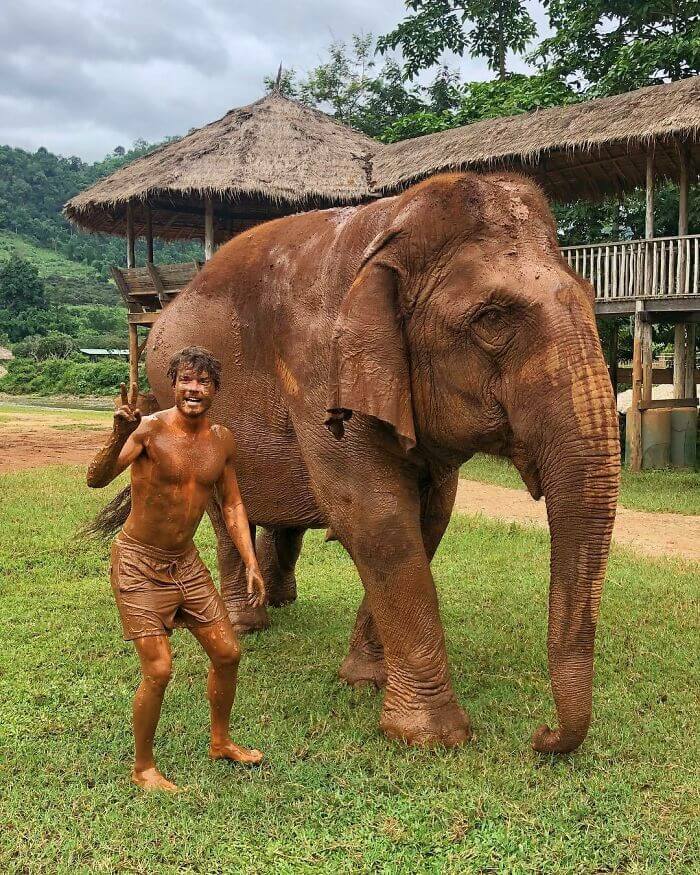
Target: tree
486, 28
620, 46
20, 286
349, 85
515, 94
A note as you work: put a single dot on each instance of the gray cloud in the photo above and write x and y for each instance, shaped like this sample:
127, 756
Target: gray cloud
82, 76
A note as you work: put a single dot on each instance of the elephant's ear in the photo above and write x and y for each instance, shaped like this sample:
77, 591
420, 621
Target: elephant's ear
369, 370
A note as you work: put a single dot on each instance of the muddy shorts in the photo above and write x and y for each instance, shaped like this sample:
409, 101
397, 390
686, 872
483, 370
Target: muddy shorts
156, 590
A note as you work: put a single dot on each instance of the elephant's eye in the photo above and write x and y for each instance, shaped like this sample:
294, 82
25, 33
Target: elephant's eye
493, 326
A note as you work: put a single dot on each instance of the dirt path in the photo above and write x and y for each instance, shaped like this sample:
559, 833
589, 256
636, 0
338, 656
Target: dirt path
653, 534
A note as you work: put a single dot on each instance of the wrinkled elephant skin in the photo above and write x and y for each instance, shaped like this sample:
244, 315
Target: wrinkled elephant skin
369, 351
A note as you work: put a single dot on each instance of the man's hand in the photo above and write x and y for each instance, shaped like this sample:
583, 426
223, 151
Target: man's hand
257, 591
127, 416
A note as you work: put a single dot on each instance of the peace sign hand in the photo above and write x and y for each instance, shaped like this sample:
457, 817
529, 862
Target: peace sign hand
127, 416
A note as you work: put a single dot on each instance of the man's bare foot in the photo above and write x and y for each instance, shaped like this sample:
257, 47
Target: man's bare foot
151, 779
227, 750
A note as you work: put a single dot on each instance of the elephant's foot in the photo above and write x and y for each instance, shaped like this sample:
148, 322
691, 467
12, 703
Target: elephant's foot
247, 619
360, 668
447, 725
281, 590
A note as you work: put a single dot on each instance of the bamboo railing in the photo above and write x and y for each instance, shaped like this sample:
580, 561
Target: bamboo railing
661, 267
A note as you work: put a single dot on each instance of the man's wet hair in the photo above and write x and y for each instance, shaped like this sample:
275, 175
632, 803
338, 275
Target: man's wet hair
200, 360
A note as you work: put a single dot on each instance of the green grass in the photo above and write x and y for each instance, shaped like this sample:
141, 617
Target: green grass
48, 263
657, 491
335, 796
8, 410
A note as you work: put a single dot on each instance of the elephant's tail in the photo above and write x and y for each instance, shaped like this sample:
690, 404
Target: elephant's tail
112, 517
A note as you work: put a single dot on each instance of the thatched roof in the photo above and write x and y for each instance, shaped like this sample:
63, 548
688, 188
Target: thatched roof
583, 150
270, 158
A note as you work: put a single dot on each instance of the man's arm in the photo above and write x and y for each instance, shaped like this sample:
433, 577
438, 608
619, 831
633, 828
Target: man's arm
124, 445
238, 526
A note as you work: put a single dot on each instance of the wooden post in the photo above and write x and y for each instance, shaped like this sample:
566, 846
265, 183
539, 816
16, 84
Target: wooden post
649, 223
683, 178
149, 236
208, 228
690, 386
679, 356
634, 414
130, 236
133, 355
613, 354
647, 361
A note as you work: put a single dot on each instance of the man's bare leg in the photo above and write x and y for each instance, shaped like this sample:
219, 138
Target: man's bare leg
156, 670
220, 644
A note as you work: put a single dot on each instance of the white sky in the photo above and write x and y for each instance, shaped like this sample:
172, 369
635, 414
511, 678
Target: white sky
83, 76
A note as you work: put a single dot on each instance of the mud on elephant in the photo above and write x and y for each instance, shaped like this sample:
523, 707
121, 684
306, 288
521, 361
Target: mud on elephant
368, 352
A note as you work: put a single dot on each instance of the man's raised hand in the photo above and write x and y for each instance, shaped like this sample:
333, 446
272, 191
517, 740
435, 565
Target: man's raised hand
257, 591
127, 416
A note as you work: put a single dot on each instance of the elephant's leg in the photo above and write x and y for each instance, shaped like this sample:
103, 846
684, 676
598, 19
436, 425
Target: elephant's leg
278, 551
233, 578
364, 663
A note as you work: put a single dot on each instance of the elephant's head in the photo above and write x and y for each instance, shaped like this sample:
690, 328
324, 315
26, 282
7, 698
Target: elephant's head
466, 330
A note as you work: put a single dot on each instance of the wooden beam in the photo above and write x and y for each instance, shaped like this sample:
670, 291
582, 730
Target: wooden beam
149, 235
157, 283
130, 236
208, 228
669, 402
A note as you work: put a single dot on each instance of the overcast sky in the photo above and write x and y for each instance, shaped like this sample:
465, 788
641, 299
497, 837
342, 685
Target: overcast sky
83, 76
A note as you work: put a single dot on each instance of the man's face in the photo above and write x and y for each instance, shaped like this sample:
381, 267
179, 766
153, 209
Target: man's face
194, 392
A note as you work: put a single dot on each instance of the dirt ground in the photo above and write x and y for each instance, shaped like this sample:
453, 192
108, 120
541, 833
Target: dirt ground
32, 438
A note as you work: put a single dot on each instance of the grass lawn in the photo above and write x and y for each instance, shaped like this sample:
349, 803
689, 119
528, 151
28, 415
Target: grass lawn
669, 491
335, 796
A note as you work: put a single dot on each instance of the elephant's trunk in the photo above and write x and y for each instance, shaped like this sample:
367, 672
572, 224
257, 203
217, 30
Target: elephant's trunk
579, 466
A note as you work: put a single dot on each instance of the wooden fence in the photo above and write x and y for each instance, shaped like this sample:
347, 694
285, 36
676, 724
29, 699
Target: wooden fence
662, 267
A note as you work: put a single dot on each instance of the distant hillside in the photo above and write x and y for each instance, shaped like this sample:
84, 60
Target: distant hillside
33, 188
66, 281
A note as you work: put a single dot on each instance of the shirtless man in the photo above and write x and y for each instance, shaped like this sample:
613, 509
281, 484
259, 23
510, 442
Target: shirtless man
178, 458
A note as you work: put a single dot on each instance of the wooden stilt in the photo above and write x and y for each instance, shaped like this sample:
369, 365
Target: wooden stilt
683, 178
679, 351
647, 361
149, 236
208, 228
634, 416
133, 355
690, 385
613, 354
130, 236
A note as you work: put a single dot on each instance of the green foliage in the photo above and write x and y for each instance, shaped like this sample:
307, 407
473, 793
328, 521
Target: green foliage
485, 28
61, 376
53, 345
35, 186
20, 286
514, 94
334, 795
610, 48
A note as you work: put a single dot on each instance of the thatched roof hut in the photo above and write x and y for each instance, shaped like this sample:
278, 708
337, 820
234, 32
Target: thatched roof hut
584, 150
267, 159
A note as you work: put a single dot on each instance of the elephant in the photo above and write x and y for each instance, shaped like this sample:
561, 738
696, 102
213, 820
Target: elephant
369, 351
